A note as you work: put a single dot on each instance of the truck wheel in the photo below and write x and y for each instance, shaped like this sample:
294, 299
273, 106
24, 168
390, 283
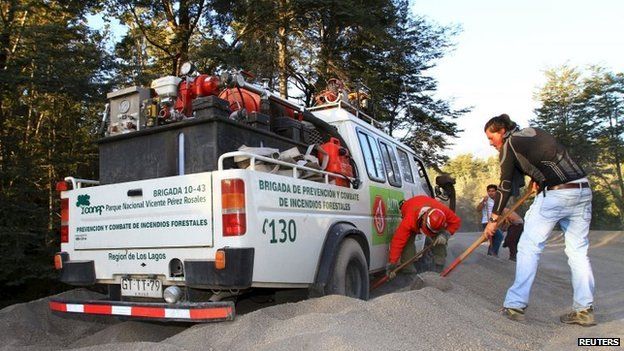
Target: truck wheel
350, 272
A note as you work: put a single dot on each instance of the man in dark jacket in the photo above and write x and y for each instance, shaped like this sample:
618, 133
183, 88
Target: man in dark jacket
564, 197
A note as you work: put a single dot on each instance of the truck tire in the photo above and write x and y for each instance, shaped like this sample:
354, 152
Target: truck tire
349, 275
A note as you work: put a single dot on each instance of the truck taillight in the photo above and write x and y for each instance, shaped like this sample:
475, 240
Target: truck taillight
220, 259
233, 207
58, 261
64, 220
62, 186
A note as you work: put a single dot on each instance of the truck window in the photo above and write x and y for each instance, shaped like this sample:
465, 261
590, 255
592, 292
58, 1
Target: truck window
422, 174
392, 166
372, 158
405, 166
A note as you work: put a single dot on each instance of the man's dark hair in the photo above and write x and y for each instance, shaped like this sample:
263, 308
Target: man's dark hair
492, 186
499, 122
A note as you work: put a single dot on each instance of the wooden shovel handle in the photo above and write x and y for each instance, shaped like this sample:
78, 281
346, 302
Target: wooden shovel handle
484, 237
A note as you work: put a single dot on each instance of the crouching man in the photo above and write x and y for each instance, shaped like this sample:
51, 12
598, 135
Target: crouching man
423, 214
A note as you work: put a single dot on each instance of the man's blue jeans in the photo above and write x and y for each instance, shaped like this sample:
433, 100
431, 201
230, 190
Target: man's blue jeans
496, 241
572, 209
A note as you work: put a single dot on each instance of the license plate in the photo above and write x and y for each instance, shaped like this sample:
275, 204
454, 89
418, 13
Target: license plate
141, 287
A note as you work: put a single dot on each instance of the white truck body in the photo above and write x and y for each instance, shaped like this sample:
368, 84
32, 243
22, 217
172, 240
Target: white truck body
136, 229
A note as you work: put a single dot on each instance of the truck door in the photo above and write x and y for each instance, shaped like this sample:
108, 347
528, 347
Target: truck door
420, 177
411, 188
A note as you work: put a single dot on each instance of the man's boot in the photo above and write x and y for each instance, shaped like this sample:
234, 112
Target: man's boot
515, 314
583, 317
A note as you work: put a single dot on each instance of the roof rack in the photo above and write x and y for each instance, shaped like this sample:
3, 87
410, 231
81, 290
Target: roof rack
354, 110
298, 171
77, 183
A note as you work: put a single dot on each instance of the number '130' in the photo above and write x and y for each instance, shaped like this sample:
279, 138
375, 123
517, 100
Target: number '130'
281, 232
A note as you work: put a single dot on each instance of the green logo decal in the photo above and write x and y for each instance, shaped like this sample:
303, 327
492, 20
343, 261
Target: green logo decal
83, 200
84, 203
386, 213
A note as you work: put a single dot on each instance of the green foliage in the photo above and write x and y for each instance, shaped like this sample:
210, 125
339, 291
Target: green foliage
584, 111
472, 176
298, 45
56, 73
561, 109
380, 45
161, 35
393, 63
50, 93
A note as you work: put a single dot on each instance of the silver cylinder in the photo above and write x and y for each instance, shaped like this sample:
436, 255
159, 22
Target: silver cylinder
172, 294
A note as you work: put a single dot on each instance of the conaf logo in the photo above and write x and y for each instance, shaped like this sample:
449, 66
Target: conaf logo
84, 202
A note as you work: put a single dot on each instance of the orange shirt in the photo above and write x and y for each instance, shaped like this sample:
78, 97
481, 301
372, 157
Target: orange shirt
410, 211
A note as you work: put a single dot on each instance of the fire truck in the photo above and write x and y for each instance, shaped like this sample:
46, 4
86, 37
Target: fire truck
211, 187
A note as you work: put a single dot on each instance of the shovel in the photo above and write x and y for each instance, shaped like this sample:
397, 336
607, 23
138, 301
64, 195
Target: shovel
381, 281
483, 238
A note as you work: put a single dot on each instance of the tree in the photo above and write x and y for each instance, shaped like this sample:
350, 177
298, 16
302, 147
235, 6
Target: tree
583, 110
472, 177
409, 105
167, 26
561, 111
382, 46
261, 34
47, 116
377, 44
298, 42
603, 94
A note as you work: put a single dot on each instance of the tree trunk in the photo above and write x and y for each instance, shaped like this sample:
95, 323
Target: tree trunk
282, 61
5, 45
183, 33
617, 159
282, 47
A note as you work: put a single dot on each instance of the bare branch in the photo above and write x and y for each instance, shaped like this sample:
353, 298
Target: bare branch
195, 21
169, 13
19, 32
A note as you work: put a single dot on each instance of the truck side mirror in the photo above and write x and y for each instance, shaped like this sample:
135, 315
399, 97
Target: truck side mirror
445, 189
